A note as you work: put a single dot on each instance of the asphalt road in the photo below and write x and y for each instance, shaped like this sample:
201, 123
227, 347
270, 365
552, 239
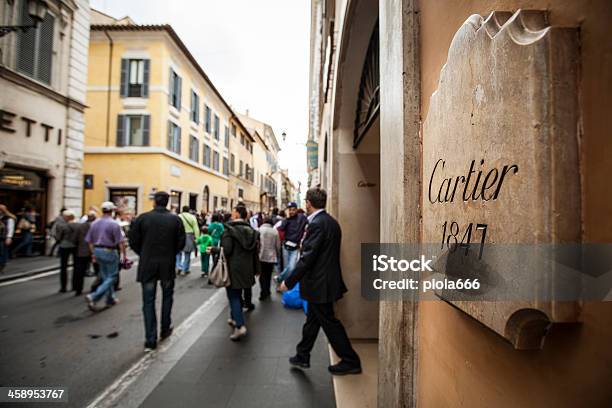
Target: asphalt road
52, 339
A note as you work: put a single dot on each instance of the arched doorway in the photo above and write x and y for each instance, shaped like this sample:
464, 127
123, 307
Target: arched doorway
206, 199
353, 164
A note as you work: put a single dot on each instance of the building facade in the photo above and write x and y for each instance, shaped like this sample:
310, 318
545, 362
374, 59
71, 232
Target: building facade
43, 75
242, 187
266, 162
157, 123
401, 90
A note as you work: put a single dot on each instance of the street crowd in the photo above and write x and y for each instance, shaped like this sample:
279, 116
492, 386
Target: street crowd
278, 249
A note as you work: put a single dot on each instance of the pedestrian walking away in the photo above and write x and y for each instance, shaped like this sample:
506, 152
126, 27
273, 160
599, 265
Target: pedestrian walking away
67, 247
82, 256
157, 237
240, 247
204, 241
268, 256
57, 221
104, 237
215, 229
319, 274
192, 233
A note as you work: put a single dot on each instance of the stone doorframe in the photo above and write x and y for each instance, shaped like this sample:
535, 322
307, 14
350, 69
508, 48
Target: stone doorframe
401, 214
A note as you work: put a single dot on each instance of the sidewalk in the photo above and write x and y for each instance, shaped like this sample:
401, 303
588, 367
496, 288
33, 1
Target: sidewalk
255, 372
26, 266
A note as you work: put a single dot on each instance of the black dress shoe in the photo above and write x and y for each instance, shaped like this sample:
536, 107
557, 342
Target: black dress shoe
150, 347
62, 290
298, 361
343, 368
165, 334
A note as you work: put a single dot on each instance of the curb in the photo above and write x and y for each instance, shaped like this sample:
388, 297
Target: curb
30, 273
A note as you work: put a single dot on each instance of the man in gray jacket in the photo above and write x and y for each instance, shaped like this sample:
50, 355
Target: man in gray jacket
268, 255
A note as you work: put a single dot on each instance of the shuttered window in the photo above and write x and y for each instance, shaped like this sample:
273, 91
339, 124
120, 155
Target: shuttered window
217, 127
135, 78
225, 166
206, 158
216, 161
35, 47
174, 94
174, 138
195, 107
233, 163
194, 149
133, 130
227, 137
207, 119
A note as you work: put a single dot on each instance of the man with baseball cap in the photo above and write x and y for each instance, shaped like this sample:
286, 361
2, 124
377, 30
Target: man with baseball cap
103, 237
292, 231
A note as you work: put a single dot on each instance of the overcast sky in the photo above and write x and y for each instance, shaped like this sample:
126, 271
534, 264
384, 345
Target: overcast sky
256, 52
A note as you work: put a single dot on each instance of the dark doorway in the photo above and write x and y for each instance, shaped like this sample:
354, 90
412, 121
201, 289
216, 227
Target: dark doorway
193, 201
206, 199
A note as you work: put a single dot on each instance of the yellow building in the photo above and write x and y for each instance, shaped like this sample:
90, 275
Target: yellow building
265, 161
156, 122
242, 186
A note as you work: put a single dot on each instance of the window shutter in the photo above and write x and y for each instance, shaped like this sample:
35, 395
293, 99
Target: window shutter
170, 87
45, 49
145, 78
121, 130
178, 149
26, 44
169, 136
178, 97
125, 74
146, 127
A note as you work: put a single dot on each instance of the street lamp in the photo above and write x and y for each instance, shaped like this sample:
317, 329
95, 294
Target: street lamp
37, 10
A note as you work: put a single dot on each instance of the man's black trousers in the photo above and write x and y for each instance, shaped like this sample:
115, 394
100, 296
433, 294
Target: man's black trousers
322, 315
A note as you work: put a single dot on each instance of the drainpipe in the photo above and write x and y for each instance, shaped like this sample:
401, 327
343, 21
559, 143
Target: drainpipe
108, 94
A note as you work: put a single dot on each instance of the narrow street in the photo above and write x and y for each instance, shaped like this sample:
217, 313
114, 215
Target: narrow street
48, 338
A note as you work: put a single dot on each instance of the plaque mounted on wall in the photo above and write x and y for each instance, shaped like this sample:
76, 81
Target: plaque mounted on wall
501, 165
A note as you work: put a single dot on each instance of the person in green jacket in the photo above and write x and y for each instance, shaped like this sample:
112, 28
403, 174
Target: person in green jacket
215, 230
204, 241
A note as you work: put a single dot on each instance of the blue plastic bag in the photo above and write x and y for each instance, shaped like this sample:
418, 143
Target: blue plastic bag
291, 299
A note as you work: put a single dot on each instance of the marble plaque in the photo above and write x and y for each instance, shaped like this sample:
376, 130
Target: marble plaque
500, 160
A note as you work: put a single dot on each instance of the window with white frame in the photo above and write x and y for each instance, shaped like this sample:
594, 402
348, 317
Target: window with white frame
195, 107
133, 130
194, 149
174, 96
134, 78
226, 166
206, 158
217, 130
207, 119
174, 137
216, 161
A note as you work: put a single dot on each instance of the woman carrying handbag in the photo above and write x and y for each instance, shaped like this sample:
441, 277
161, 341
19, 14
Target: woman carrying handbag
238, 255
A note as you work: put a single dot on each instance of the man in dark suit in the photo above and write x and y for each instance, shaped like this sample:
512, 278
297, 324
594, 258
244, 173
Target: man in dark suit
318, 271
157, 236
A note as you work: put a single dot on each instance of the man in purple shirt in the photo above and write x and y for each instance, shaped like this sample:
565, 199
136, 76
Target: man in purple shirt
104, 238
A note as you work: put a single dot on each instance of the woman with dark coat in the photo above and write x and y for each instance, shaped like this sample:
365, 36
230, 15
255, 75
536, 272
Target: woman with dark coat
240, 247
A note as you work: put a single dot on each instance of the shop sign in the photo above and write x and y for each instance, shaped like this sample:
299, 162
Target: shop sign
20, 179
9, 124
